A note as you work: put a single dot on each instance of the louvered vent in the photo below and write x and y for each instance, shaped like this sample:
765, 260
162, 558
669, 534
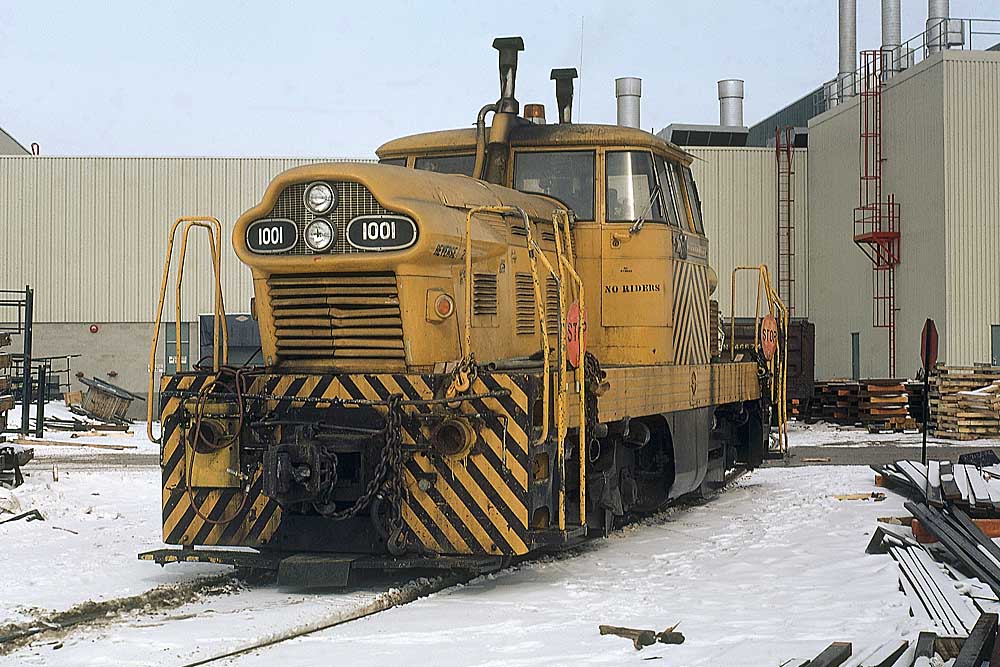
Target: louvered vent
524, 304
337, 316
484, 294
551, 305
545, 232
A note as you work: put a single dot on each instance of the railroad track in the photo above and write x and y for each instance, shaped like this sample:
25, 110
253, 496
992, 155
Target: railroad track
106, 614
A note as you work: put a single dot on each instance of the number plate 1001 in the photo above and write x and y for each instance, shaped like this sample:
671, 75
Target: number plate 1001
274, 235
381, 232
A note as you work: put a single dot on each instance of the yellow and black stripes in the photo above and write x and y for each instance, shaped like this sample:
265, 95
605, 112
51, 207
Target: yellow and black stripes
475, 505
254, 517
690, 314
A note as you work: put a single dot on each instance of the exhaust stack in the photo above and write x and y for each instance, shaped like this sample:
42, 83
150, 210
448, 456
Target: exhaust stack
731, 102
891, 37
936, 37
491, 154
847, 13
628, 90
564, 92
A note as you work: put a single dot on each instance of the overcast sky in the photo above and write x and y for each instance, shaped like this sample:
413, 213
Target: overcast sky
339, 78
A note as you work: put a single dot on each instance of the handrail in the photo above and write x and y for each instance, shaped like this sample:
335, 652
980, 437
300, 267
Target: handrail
567, 260
213, 228
778, 363
561, 392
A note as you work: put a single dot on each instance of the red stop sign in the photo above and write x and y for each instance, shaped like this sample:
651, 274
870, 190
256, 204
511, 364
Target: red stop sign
576, 334
768, 336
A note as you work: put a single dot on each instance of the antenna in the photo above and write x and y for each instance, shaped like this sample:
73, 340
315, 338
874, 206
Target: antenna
579, 88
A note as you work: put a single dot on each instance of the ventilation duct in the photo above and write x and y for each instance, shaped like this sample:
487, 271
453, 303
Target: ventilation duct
628, 90
848, 34
731, 103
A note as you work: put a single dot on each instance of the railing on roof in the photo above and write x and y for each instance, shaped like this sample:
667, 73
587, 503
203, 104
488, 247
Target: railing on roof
964, 34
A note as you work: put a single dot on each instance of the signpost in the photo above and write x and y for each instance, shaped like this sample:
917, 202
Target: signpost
928, 357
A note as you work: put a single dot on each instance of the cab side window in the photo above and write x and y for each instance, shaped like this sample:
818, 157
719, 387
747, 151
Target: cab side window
394, 161
631, 191
694, 201
666, 191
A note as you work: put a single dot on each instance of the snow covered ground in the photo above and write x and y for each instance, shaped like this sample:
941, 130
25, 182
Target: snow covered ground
134, 439
801, 434
774, 568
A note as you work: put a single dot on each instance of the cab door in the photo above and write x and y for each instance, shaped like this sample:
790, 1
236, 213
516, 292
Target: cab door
636, 280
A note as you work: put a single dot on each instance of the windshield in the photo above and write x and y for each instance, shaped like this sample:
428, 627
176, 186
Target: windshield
566, 175
631, 186
447, 164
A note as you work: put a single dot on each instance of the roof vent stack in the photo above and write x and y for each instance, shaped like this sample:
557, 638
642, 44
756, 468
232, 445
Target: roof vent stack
847, 13
628, 90
564, 92
731, 102
937, 25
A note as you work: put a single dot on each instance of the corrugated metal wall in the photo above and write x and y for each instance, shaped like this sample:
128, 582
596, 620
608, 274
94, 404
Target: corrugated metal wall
972, 195
738, 188
941, 129
90, 234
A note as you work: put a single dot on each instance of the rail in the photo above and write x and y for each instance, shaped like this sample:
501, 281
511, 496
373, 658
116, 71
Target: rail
220, 348
777, 365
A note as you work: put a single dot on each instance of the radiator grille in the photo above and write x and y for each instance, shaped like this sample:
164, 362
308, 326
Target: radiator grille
353, 199
484, 294
338, 316
524, 304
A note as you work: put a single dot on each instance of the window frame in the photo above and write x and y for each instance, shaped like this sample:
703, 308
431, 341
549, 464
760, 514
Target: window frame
549, 149
659, 201
674, 219
697, 221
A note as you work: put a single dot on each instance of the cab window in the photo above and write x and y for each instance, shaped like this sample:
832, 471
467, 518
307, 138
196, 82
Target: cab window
447, 164
631, 191
566, 175
694, 201
666, 192
394, 161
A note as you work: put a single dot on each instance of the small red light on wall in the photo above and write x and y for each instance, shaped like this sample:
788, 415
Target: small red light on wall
94, 328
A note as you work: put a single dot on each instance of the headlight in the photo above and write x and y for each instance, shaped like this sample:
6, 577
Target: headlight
320, 198
319, 234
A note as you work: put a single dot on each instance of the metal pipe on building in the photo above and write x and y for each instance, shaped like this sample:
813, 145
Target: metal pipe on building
731, 102
628, 91
891, 36
847, 13
936, 35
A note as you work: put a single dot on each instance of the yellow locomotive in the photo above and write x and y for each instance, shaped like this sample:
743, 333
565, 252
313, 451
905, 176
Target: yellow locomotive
497, 341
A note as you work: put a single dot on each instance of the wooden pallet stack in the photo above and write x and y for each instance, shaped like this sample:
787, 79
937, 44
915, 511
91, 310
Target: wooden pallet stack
883, 403
840, 402
959, 410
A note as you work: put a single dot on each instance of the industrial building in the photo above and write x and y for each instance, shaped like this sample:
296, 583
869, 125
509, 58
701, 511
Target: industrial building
89, 233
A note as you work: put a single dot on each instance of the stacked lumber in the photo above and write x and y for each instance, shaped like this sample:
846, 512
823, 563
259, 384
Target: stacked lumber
816, 409
957, 411
881, 400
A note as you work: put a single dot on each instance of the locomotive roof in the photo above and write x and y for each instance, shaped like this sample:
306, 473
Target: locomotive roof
529, 134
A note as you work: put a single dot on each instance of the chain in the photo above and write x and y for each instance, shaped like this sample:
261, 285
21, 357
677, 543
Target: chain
593, 379
387, 472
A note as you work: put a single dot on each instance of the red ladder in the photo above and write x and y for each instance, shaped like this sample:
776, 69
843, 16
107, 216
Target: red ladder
876, 220
784, 153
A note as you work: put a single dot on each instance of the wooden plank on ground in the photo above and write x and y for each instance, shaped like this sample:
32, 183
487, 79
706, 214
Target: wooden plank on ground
60, 443
833, 655
979, 645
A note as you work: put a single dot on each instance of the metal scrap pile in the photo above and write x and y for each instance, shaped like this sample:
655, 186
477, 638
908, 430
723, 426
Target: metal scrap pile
948, 565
